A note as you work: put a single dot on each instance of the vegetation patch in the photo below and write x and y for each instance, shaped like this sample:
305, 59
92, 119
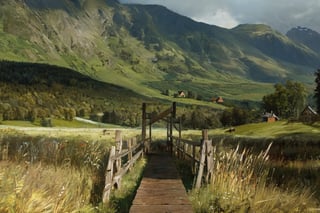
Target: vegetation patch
241, 182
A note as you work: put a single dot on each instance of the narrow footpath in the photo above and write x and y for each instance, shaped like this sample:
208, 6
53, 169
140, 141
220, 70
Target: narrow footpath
161, 189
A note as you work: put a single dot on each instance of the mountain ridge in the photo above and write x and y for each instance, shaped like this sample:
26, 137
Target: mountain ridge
306, 36
145, 46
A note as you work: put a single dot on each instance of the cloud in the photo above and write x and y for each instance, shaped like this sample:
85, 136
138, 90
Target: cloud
280, 14
220, 18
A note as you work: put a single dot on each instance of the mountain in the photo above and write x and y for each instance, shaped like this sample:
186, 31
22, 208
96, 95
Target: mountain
305, 36
149, 49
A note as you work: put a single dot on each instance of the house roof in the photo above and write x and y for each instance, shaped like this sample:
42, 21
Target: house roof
270, 115
309, 108
219, 98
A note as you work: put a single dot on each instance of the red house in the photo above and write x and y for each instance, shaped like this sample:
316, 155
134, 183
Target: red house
270, 117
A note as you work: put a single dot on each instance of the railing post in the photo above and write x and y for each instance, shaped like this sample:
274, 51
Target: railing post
144, 127
184, 151
193, 159
150, 136
109, 176
130, 143
202, 158
179, 140
209, 155
118, 148
170, 138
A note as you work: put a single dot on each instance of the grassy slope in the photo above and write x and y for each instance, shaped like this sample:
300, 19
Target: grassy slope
280, 128
65, 39
148, 79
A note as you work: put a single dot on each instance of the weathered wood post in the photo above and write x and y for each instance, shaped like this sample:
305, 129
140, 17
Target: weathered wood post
150, 134
184, 151
172, 118
119, 144
109, 176
130, 144
180, 136
194, 159
209, 160
144, 128
202, 158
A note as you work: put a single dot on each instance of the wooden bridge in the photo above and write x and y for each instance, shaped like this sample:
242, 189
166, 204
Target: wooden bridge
161, 188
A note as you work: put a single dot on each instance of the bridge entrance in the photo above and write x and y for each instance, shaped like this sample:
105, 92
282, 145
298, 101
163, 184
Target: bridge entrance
161, 189
148, 119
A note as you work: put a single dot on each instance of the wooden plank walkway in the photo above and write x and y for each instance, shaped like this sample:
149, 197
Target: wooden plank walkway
161, 189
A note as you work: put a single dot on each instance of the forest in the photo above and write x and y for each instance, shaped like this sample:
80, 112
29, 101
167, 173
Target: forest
31, 91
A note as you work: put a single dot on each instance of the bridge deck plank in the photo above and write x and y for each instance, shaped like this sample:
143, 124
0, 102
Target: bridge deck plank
161, 189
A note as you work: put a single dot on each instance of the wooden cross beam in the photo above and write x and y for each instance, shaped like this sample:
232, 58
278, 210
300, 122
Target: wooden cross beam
164, 114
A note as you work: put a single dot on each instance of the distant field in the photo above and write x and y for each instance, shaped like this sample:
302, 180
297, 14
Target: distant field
280, 128
269, 130
59, 123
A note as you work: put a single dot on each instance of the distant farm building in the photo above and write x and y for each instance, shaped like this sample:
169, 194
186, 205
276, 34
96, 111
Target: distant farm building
308, 115
218, 100
270, 117
181, 94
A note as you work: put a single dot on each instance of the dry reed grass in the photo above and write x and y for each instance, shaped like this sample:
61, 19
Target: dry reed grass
58, 174
241, 183
38, 188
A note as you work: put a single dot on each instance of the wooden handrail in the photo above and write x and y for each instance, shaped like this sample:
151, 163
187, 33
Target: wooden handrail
126, 152
115, 169
189, 142
205, 152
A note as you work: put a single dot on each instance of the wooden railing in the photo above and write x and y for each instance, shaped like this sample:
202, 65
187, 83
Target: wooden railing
199, 152
121, 158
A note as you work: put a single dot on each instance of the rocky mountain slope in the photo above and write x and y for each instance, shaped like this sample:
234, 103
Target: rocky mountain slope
306, 36
149, 49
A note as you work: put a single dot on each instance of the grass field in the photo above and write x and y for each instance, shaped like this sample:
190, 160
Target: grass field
60, 170
276, 129
283, 185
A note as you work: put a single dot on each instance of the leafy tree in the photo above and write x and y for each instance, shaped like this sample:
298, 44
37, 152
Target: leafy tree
226, 118
235, 117
191, 94
296, 98
287, 101
317, 90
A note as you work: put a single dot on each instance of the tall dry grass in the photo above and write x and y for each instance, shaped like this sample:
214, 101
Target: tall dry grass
51, 174
39, 188
241, 183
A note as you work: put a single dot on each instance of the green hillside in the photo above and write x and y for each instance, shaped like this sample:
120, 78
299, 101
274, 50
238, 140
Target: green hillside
277, 129
149, 49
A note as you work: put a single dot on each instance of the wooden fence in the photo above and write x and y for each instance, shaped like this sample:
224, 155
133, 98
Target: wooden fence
121, 159
199, 152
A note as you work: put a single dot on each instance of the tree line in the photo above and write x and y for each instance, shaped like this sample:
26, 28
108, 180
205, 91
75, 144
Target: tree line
39, 92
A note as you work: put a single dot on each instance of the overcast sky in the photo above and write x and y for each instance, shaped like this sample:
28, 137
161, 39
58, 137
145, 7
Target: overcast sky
282, 15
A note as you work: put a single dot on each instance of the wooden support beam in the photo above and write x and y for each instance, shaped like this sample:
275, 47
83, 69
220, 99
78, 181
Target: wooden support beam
202, 158
144, 128
160, 116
